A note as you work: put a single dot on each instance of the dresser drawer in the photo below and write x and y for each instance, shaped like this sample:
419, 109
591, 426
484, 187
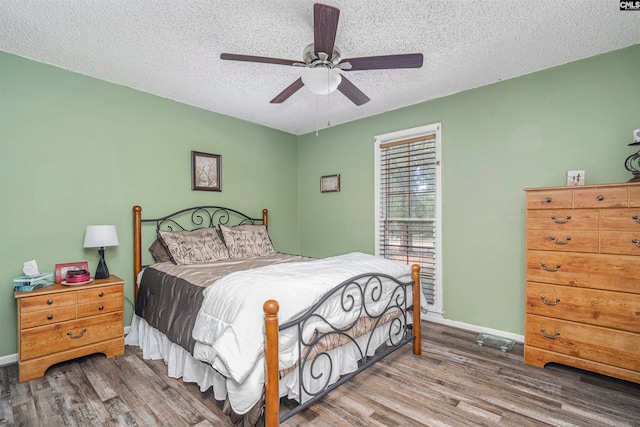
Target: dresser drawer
634, 196
100, 307
609, 346
563, 219
620, 242
46, 317
46, 340
627, 219
554, 240
45, 302
544, 199
616, 310
608, 272
97, 294
614, 197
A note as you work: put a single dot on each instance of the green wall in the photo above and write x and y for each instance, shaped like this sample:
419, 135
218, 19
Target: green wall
76, 151
496, 140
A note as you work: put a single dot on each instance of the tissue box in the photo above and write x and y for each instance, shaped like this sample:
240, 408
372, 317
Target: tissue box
31, 283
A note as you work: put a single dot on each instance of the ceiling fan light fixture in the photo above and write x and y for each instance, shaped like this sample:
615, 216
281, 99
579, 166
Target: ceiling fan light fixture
321, 80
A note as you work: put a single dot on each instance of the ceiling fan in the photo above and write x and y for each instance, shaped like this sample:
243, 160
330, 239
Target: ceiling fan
323, 61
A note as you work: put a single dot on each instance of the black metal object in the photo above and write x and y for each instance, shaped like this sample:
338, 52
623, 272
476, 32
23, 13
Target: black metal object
202, 217
355, 295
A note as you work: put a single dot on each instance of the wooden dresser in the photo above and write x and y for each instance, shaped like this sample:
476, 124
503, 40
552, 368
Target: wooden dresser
583, 278
59, 323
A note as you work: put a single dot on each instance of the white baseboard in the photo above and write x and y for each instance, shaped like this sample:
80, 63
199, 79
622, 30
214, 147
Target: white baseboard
8, 359
13, 358
437, 318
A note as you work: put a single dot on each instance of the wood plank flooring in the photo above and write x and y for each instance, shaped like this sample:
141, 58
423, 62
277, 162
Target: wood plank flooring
454, 383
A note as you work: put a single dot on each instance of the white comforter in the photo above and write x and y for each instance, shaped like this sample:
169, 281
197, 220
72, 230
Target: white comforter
229, 330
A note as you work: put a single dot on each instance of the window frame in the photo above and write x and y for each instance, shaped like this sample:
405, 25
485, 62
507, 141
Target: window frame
435, 309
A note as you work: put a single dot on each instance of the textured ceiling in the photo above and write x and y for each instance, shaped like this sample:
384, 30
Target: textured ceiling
172, 48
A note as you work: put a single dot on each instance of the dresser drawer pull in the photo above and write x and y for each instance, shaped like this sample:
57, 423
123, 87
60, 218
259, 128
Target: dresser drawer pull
600, 198
551, 337
561, 221
558, 242
101, 294
49, 317
49, 302
76, 336
101, 308
550, 269
636, 218
544, 300
636, 242
548, 199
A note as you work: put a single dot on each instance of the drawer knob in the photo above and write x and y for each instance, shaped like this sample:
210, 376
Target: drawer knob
548, 199
636, 218
49, 302
49, 317
544, 300
550, 269
600, 198
551, 337
561, 242
101, 294
636, 242
76, 336
561, 221
101, 308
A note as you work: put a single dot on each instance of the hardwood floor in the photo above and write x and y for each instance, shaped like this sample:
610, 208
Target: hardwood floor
454, 383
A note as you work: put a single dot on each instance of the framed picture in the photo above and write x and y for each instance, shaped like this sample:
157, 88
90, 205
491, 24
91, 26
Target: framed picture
330, 183
62, 269
205, 169
575, 178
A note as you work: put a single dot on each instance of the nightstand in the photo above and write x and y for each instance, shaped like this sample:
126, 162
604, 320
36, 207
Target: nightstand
58, 323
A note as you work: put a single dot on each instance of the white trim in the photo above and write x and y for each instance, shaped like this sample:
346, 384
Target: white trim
437, 318
436, 129
9, 359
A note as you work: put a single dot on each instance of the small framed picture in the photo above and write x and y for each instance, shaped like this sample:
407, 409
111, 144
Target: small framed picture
205, 169
330, 183
575, 178
62, 269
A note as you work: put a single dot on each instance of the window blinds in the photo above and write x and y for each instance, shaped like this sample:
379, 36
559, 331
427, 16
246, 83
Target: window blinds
407, 197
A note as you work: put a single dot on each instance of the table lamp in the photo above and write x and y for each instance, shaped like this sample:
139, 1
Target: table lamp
99, 236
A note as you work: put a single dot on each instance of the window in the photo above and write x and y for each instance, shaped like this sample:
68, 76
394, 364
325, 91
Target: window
408, 204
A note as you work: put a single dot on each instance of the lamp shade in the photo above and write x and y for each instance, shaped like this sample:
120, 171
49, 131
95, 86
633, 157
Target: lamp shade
321, 80
97, 236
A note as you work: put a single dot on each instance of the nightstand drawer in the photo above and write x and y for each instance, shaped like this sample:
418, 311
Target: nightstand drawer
97, 294
46, 340
609, 346
46, 317
44, 302
100, 307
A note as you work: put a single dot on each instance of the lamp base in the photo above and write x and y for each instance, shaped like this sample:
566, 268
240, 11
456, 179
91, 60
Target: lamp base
636, 177
102, 272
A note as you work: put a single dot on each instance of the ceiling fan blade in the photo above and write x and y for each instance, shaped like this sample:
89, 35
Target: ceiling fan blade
352, 92
261, 59
290, 90
386, 62
325, 26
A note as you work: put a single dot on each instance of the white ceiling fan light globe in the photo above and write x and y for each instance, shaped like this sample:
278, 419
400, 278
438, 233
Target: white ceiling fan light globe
321, 80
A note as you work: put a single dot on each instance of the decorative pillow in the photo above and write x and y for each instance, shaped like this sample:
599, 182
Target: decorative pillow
159, 252
194, 247
247, 240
